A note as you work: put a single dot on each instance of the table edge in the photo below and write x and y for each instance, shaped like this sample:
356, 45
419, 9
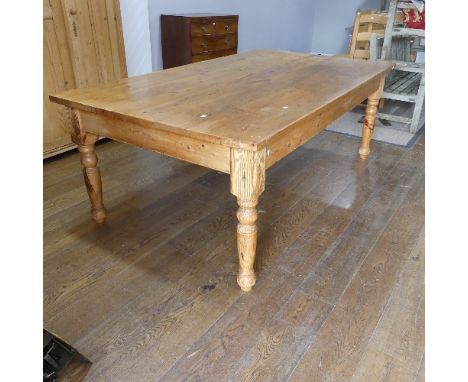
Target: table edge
233, 143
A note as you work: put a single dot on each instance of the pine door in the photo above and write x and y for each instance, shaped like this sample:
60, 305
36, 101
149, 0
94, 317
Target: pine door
83, 46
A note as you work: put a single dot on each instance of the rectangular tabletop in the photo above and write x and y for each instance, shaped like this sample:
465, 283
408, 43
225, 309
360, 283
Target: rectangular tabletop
251, 100
238, 114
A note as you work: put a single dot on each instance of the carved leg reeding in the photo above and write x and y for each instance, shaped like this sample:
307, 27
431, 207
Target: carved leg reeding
247, 183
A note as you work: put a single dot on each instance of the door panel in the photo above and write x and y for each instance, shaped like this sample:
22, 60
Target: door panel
83, 46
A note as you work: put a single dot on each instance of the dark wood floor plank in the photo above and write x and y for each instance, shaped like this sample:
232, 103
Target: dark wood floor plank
400, 332
337, 349
137, 237
232, 358
421, 377
292, 349
410, 285
396, 349
185, 308
122, 202
110, 255
74, 192
151, 295
296, 347
330, 278
377, 366
282, 342
295, 213
220, 349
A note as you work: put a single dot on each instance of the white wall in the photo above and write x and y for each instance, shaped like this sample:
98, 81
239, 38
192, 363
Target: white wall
135, 25
273, 24
331, 18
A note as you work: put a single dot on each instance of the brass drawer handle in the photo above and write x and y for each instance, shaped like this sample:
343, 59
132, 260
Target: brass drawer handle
226, 42
204, 28
204, 45
227, 27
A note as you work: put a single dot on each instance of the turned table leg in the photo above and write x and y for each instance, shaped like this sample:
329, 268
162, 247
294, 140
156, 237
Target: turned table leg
247, 183
369, 121
92, 176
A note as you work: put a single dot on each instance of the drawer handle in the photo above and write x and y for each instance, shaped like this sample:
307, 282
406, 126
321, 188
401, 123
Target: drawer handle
204, 45
227, 27
226, 42
204, 28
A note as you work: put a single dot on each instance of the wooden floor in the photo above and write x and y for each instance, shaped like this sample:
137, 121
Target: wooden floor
152, 294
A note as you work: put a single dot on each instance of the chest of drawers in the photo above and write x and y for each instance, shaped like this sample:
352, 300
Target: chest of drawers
188, 38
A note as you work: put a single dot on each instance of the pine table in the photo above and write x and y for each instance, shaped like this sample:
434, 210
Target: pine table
238, 114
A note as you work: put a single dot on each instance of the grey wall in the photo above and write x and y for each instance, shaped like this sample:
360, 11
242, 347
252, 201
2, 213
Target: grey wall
274, 24
297, 25
331, 18
135, 25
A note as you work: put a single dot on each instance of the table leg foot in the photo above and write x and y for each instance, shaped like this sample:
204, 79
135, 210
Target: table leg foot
363, 153
246, 282
98, 215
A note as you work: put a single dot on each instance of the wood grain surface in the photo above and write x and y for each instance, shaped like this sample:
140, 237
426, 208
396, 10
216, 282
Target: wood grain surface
241, 101
83, 46
247, 183
151, 294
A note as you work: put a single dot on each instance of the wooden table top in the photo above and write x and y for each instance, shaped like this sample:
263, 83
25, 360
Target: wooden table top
238, 101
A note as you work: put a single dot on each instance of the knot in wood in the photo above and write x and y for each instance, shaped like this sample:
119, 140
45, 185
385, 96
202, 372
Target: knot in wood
368, 124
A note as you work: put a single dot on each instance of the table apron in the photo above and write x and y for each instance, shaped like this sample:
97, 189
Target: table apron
217, 156
300, 132
211, 155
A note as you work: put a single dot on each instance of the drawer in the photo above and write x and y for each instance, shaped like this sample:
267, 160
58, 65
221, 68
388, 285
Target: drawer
226, 26
210, 55
209, 43
213, 27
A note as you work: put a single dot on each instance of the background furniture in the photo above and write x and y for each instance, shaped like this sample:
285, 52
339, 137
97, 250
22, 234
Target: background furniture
406, 82
188, 38
83, 45
365, 23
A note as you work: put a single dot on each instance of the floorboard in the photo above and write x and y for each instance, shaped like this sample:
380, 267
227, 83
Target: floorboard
152, 294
